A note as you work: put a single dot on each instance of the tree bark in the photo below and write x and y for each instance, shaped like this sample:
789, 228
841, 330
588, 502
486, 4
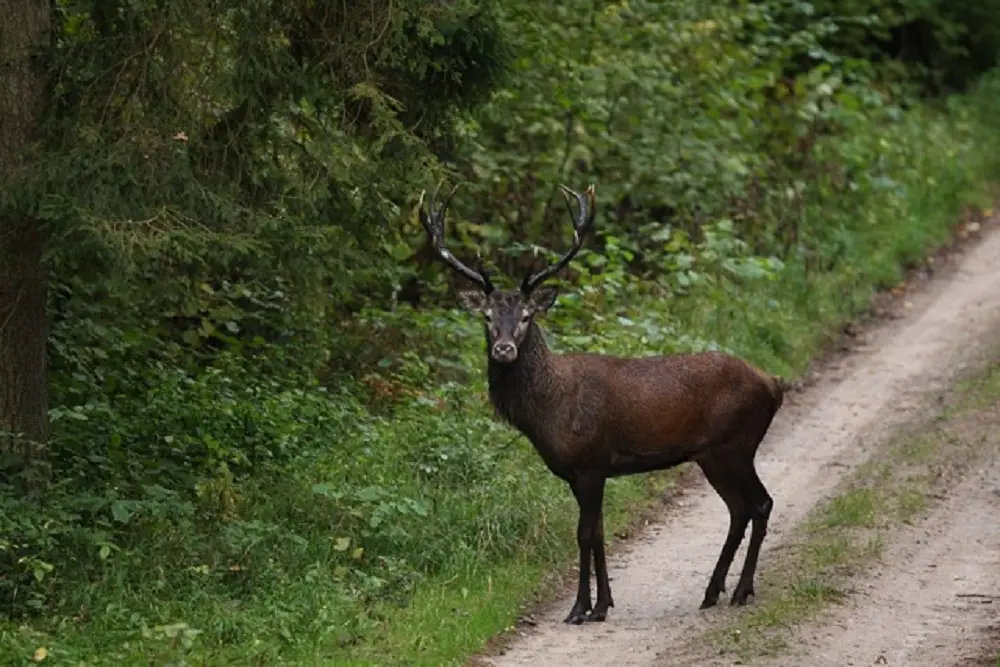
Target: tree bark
25, 34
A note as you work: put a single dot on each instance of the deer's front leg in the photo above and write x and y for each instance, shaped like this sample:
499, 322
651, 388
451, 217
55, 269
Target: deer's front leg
589, 494
604, 600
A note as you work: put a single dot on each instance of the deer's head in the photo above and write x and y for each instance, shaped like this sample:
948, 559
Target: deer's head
508, 313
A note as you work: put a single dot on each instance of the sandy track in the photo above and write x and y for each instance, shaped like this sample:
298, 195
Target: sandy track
659, 580
936, 599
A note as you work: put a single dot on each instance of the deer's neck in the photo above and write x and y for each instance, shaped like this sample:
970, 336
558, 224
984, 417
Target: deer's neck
523, 392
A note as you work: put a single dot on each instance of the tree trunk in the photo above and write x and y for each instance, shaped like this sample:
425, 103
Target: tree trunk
25, 29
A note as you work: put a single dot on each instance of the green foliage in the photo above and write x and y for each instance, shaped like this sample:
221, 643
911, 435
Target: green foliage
262, 142
270, 430
932, 43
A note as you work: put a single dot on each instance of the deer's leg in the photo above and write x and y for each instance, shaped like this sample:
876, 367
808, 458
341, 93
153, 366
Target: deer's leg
760, 511
727, 483
604, 599
588, 492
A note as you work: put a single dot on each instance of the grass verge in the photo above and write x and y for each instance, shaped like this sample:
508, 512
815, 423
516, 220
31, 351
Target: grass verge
848, 532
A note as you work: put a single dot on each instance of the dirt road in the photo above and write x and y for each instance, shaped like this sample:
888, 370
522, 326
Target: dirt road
827, 430
929, 607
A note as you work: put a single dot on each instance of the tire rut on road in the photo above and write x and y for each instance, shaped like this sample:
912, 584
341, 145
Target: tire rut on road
932, 603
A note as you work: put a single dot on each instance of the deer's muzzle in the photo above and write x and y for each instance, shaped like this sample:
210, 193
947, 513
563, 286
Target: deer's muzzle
504, 351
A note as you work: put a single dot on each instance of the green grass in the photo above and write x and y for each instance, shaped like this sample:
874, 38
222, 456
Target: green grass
847, 533
450, 617
445, 619
410, 530
857, 507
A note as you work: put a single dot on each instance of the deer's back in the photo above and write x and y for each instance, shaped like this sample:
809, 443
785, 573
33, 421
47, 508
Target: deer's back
683, 400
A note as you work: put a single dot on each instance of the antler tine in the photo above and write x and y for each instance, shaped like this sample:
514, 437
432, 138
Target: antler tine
582, 223
487, 285
433, 223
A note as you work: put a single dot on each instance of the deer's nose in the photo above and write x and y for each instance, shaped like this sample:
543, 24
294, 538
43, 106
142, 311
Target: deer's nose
504, 351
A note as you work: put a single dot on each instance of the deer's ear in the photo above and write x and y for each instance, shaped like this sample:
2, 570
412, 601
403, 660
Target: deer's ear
542, 299
474, 301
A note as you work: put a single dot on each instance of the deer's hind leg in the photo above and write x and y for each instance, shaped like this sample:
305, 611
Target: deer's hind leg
760, 507
732, 487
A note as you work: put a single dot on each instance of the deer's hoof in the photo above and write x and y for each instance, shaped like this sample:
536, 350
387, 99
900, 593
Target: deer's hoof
597, 616
578, 614
711, 597
740, 595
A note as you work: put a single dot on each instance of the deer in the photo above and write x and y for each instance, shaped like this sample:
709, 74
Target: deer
594, 417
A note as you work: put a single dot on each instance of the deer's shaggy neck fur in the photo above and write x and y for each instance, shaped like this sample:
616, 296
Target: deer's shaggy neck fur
524, 391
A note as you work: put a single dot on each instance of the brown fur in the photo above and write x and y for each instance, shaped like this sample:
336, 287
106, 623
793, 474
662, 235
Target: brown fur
620, 415
592, 417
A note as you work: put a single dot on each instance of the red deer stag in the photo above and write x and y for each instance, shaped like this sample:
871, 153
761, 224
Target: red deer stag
592, 417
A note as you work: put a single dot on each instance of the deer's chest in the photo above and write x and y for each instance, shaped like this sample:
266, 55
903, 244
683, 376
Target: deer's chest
566, 441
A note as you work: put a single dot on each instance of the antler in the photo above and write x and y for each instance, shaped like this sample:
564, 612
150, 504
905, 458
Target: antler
433, 222
582, 223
